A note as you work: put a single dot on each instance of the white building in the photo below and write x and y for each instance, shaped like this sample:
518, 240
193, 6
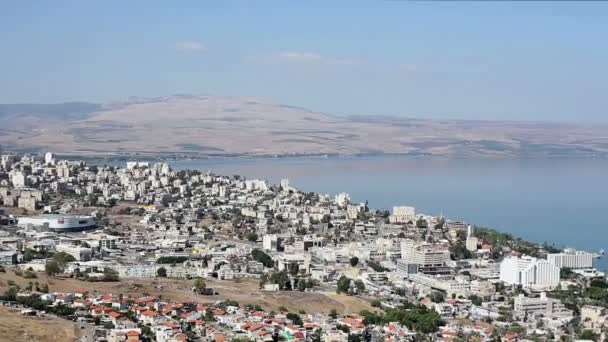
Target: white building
529, 272
270, 242
49, 158
342, 199
539, 306
472, 243
403, 214
570, 258
78, 252
302, 260
424, 254
19, 180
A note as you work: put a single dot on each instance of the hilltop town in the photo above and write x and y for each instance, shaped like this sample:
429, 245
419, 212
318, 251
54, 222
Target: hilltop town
148, 253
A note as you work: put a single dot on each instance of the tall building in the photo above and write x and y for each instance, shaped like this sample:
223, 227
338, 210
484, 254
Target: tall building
424, 254
529, 272
570, 258
49, 158
270, 242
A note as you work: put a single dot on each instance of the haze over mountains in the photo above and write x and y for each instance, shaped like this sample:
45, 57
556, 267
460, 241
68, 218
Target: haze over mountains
212, 125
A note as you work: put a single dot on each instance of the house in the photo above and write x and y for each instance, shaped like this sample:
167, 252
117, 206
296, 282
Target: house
148, 317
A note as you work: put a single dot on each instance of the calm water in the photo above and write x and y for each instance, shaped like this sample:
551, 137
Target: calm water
560, 201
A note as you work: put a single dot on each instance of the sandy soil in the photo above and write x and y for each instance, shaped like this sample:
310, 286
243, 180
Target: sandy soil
15, 327
244, 291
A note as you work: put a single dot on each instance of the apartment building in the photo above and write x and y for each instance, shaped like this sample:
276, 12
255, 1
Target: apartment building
529, 272
571, 259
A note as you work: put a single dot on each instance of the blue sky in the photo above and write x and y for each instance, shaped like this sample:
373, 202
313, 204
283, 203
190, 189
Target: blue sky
473, 60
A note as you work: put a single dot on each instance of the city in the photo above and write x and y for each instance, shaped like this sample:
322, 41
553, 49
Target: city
142, 252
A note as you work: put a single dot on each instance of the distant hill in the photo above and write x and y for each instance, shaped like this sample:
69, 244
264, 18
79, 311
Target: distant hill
211, 125
68, 110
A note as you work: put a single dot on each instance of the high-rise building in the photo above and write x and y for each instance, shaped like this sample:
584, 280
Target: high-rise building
270, 242
49, 158
529, 272
570, 258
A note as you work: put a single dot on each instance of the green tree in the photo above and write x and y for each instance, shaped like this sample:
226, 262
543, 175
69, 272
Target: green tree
343, 284
110, 274
63, 258
52, 268
161, 272
301, 285
199, 285
360, 286
262, 257
251, 236
294, 268
437, 297
295, 318
476, 300
333, 313
354, 261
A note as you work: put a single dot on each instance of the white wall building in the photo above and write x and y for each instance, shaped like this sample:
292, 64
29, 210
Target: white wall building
423, 254
270, 242
571, 259
403, 214
529, 272
78, 252
543, 305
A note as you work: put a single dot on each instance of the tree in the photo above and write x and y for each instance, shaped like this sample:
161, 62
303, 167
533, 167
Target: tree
437, 297
354, 261
262, 257
161, 272
354, 338
476, 300
376, 266
359, 285
343, 285
588, 335
282, 279
565, 272
109, 274
301, 285
52, 268
317, 335
294, 268
62, 258
333, 313
200, 285
29, 274
295, 318
253, 237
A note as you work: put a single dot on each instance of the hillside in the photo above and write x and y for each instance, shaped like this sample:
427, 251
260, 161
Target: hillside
206, 125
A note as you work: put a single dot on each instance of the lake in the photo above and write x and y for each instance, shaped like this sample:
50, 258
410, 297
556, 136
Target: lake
558, 200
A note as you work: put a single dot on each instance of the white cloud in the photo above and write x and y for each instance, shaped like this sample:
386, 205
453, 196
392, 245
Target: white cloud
300, 57
190, 46
313, 58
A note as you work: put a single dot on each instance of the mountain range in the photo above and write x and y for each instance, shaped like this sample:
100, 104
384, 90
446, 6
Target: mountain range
185, 125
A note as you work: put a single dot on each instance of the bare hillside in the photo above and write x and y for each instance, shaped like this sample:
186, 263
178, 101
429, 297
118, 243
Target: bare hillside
206, 125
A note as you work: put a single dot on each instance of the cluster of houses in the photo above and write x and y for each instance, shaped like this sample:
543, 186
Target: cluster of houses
153, 221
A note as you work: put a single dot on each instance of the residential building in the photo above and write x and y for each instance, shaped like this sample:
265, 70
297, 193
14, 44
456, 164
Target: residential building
529, 272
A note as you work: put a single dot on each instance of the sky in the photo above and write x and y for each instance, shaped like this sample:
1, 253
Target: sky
472, 60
